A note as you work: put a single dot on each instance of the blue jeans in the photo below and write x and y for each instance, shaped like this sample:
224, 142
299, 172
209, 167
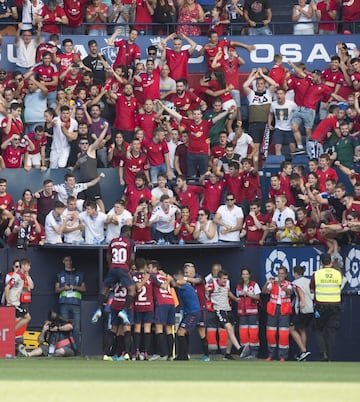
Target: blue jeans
155, 170
197, 164
73, 312
265, 30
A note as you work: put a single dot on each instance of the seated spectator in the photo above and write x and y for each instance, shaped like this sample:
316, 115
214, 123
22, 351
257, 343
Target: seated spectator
189, 15
184, 226
302, 13
141, 232
163, 216
205, 229
292, 233
96, 14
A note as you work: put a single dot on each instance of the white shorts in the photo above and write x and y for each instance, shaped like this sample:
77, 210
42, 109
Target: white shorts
33, 160
59, 159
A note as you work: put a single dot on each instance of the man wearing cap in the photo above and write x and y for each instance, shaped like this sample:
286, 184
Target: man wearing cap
326, 285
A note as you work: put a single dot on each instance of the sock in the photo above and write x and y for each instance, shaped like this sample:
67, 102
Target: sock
109, 343
147, 342
137, 337
161, 344
301, 146
170, 344
183, 348
119, 345
128, 301
205, 346
127, 342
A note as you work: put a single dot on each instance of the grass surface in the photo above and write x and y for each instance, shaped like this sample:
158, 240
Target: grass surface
80, 380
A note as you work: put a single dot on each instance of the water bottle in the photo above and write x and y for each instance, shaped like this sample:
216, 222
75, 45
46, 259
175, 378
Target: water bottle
316, 314
181, 241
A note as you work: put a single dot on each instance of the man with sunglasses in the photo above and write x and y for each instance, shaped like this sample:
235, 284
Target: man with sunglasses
13, 150
230, 219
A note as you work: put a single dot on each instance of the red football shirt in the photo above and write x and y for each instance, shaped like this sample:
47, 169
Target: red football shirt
198, 135
178, 63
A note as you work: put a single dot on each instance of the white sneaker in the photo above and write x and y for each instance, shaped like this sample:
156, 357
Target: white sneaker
23, 351
96, 316
245, 352
123, 315
107, 358
154, 357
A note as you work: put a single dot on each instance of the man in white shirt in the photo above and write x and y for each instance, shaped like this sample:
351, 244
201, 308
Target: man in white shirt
163, 217
65, 131
230, 218
55, 224
282, 110
25, 48
160, 190
94, 222
73, 231
117, 217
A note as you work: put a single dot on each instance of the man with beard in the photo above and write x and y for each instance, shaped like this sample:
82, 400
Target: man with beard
185, 100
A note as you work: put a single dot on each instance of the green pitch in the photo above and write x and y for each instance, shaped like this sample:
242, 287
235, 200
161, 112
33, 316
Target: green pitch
78, 379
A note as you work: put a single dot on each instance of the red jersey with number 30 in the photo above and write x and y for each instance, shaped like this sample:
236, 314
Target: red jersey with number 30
120, 251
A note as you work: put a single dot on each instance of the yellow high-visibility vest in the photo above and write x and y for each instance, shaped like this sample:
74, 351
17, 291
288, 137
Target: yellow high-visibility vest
328, 285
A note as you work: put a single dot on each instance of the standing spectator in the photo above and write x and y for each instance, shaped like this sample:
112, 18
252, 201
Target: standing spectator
160, 190
70, 285
12, 123
198, 151
281, 111
278, 314
326, 12
326, 286
141, 232
73, 231
302, 14
94, 62
8, 15
181, 155
68, 57
117, 217
94, 223
230, 219
25, 48
119, 17
163, 17
258, 14
96, 14
163, 217
135, 162
30, 12
74, 10
303, 311
47, 74
55, 223
52, 17
6, 200
129, 52
45, 200
150, 79
65, 131
35, 102
189, 15
178, 59
188, 195
255, 225
259, 106
213, 191
134, 192
36, 157
350, 12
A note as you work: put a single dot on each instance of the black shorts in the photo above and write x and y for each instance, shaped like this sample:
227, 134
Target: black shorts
256, 131
91, 193
20, 311
224, 317
301, 321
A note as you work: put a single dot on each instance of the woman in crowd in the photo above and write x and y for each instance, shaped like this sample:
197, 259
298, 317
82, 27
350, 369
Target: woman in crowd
190, 14
303, 14
205, 229
117, 150
248, 292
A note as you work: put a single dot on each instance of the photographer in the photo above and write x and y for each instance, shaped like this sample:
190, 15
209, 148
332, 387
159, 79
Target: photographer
55, 339
26, 230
